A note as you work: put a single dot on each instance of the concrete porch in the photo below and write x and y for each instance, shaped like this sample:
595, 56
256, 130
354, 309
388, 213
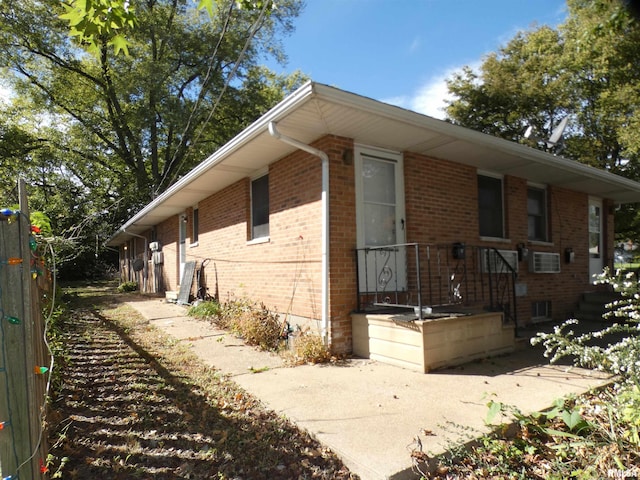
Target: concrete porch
432, 343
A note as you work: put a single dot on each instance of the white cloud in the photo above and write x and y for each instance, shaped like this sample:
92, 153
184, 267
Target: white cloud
430, 98
415, 45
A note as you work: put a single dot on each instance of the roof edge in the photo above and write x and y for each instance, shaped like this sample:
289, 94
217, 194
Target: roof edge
466, 134
291, 102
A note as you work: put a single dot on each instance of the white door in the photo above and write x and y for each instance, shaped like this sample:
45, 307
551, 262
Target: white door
380, 220
596, 255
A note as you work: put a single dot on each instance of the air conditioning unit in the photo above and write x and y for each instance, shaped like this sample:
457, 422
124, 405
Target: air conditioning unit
491, 262
154, 246
543, 262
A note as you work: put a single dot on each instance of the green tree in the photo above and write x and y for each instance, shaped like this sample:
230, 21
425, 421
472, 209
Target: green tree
146, 118
523, 84
586, 69
99, 133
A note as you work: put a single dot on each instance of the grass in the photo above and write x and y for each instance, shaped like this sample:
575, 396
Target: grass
627, 266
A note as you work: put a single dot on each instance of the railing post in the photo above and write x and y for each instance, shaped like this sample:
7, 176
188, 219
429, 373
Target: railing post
490, 272
358, 300
418, 284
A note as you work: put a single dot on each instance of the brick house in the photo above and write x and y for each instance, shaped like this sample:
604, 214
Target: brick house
354, 216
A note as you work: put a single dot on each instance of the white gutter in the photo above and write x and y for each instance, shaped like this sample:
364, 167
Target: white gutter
325, 219
292, 102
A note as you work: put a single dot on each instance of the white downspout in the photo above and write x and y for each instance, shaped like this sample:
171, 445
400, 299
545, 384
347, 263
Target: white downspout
325, 219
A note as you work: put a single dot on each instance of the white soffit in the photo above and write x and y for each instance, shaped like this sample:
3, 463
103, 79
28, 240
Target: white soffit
316, 110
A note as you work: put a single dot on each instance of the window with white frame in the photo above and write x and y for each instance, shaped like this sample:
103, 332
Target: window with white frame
260, 207
537, 214
490, 206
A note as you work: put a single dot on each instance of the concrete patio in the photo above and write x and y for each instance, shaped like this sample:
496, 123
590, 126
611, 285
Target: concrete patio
368, 412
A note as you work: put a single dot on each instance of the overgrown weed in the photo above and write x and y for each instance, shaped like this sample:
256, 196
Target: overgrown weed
259, 326
307, 347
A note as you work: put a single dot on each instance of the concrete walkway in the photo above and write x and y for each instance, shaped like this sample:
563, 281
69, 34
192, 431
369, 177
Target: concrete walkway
367, 412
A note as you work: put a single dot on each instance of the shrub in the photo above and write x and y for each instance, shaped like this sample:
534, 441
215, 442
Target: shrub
621, 356
308, 348
260, 327
209, 310
127, 287
253, 322
231, 312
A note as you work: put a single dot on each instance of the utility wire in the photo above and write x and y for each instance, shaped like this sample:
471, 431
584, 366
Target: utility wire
236, 66
200, 95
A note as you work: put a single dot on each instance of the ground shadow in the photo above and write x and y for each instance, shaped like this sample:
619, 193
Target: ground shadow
121, 413
525, 356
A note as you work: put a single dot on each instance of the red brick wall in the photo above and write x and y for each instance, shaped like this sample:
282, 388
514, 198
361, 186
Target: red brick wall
284, 272
441, 207
441, 201
342, 241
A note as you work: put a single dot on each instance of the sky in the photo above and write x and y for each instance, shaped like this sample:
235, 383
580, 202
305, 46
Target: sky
401, 51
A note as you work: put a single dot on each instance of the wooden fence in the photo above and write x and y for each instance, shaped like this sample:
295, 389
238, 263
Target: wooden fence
25, 363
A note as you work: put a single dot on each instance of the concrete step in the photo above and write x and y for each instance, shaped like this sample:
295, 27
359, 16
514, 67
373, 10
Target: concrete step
602, 297
592, 305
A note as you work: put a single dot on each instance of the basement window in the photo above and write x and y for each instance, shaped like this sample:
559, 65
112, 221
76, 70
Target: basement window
541, 310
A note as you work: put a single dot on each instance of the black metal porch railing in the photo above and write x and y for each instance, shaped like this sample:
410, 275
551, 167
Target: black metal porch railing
446, 276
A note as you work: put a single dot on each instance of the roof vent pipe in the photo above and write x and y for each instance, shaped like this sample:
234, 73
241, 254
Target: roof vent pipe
325, 219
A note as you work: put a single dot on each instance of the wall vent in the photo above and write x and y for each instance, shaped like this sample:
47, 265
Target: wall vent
490, 261
542, 262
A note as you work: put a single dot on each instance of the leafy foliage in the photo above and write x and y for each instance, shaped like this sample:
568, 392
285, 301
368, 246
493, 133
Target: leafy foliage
209, 310
92, 21
99, 136
127, 287
621, 355
585, 70
524, 83
579, 437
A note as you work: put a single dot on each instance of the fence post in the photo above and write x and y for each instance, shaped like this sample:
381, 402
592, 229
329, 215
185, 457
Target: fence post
21, 389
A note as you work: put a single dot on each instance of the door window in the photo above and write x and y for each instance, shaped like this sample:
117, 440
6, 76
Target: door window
380, 220
594, 231
596, 258
379, 191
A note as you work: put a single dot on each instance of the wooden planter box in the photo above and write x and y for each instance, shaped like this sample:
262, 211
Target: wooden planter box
425, 345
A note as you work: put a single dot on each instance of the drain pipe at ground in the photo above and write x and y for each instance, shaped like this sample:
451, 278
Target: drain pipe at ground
325, 219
